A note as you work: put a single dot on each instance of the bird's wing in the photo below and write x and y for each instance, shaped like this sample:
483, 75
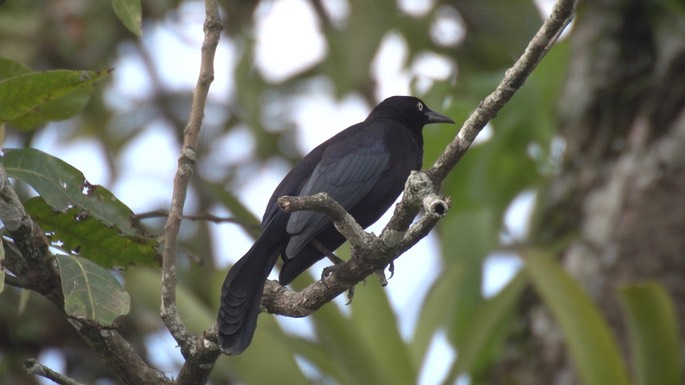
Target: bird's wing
346, 172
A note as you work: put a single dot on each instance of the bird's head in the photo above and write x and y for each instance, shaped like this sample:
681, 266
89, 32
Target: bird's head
409, 110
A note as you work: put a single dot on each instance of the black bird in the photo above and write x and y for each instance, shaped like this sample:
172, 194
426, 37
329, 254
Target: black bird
364, 168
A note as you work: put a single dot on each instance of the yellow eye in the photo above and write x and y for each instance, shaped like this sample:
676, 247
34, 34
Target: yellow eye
419, 105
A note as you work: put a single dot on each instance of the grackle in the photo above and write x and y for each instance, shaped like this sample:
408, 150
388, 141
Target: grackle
364, 168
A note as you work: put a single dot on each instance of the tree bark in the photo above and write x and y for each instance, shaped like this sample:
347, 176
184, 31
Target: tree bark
619, 196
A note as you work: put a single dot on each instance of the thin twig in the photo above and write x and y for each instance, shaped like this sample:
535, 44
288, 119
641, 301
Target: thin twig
513, 80
32, 366
186, 164
161, 213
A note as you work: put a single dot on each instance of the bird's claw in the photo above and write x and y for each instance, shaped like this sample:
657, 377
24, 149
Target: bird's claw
380, 273
350, 295
327, 271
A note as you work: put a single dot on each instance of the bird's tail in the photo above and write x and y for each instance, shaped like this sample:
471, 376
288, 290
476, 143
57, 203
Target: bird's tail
241, 295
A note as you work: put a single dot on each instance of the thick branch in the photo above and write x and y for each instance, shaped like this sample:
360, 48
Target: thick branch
371, 253
323, 203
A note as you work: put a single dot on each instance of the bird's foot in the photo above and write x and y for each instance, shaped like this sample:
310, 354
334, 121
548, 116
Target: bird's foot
328, 270
350, 295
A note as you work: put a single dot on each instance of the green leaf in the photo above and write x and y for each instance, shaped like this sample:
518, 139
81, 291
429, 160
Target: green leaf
58, 109
376, 325
653, 332
28, 93
488, 326
63, 186
130, 14
9, 69
343, 344
90, 291
81, 234
245, 218
590, 342
434, 314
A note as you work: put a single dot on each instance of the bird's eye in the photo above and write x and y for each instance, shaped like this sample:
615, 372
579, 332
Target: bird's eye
419, 105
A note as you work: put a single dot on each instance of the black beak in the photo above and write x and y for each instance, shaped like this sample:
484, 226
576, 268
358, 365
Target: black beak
435, 117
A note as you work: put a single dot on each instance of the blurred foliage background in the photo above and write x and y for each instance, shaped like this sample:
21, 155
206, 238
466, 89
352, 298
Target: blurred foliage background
528, 151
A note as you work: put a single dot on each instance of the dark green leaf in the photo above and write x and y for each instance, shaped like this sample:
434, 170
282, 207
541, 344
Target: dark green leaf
21, 95
90, 291
434, 314
588, 337
62, 186
82, 234
130, 14
653, 332
376, 326
486, 331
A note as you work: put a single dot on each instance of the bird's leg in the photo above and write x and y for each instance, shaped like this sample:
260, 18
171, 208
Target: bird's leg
329, 254
337, 261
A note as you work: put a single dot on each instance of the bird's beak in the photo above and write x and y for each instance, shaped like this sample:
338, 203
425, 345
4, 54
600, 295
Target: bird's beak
435, 117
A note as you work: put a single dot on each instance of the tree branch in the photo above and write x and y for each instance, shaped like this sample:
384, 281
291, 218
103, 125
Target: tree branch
186, 165
30, 261
32, 366
370, 253
199, 353
514, 77
195, 217
323, 203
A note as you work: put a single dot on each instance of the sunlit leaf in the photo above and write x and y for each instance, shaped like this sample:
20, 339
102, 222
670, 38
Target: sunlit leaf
57, 109
588, 337
28, 93
130, 14
653, 332
90, 291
